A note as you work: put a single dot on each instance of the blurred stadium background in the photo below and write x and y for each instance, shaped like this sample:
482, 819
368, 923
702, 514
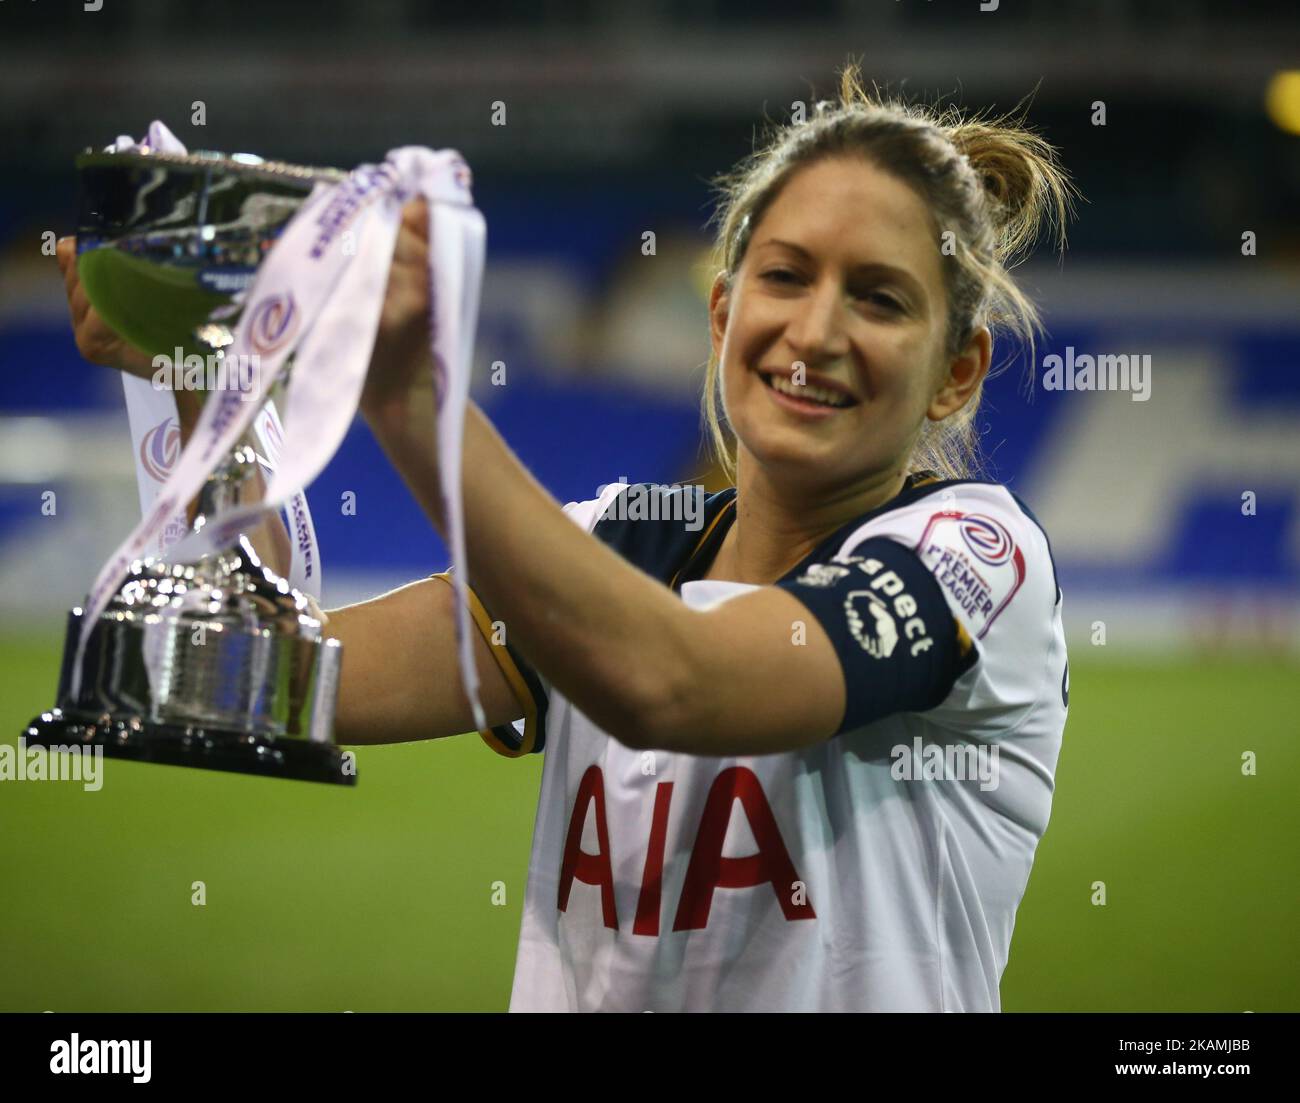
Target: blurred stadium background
381, 897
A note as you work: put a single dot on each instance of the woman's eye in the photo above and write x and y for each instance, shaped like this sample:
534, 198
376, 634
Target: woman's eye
881, 299
781, 275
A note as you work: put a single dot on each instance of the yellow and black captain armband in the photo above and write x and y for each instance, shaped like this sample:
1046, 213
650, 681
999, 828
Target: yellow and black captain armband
506, 739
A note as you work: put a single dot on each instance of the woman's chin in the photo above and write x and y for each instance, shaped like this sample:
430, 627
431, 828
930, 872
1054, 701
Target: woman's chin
794, 455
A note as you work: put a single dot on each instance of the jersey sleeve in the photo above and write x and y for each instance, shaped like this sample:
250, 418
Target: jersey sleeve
527, 735
948, 605
993, 562
899, 645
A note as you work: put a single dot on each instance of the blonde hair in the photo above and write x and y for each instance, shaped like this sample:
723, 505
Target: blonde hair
991, 181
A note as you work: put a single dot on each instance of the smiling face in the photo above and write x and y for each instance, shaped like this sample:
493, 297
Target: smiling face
831, 338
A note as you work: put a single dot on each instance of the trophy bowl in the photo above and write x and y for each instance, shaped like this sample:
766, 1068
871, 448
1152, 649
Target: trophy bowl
167, 243
218, 663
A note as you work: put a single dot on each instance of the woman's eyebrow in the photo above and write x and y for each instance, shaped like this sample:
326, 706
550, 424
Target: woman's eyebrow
786, 245
866, 267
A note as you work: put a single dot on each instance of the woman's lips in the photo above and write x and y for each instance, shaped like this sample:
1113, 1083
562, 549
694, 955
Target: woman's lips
806, 407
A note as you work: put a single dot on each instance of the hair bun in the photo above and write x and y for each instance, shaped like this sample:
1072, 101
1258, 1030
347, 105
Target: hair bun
1024, 184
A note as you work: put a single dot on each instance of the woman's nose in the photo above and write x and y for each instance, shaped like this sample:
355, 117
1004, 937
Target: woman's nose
816, 332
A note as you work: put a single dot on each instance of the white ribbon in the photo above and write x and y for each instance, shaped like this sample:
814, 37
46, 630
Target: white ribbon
155, 436
320, 292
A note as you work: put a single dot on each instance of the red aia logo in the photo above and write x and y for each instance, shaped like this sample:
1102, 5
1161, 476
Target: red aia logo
708, 869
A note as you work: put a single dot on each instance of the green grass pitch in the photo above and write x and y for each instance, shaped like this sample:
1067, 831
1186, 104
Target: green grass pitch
382, 897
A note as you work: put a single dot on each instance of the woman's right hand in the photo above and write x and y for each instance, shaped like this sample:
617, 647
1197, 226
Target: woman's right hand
96, 340
99, 343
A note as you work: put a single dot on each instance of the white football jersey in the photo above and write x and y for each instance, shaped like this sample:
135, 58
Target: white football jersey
880, 870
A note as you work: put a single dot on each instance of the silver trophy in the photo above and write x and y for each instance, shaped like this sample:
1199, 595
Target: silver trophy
217, 663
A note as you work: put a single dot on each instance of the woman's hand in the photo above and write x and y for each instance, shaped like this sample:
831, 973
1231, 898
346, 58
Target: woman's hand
398, 400
401, 364
96, 340
99, 343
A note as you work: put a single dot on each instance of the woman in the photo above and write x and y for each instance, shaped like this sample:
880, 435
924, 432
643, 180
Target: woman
801, 758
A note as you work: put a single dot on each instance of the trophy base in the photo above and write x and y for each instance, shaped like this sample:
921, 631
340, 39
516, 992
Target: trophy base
193, 745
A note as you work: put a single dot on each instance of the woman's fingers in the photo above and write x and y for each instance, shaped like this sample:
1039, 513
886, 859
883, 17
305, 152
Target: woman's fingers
96, 340
400, 360
65, 250
415, 217
413, 234
78, 300
78, 303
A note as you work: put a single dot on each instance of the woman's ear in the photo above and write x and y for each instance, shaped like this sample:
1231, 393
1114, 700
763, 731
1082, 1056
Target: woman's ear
966, 371
719, 307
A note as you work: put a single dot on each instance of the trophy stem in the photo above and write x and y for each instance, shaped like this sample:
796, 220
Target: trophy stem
226, 485
222, 490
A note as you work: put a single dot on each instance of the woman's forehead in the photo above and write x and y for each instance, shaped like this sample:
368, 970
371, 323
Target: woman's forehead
850, 206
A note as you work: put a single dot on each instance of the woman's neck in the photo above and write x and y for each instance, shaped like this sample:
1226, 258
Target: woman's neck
777, 525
